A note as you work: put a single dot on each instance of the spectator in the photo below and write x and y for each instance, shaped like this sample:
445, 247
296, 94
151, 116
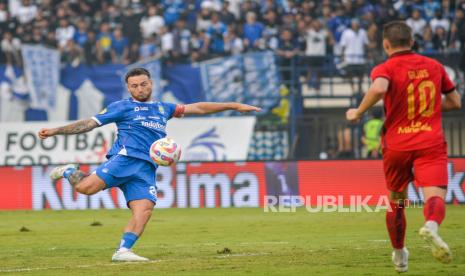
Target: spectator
129, 20
430, 8
72, 54
26, 12
80, 35
151, 23
457, 31
181, 41
226, 16
317, 40
416, 23
203, 18
166, 41
371, 138
353, 43
112, 16
215, 36
253, 31
287, 50
173, 10
440, 42
426, 42
64, 32
439, 21
11, 46
270, 37
198, 41
91, 52
119, 47
133, 54
50, 40
233, 44
104, 39
37, 36
148, 49
4, 16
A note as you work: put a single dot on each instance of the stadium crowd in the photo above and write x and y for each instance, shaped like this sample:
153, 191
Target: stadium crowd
125, 31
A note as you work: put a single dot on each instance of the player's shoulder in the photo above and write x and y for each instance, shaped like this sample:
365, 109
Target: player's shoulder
120, 105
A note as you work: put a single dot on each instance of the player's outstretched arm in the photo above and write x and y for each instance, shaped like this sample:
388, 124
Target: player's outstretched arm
211, 107
451, 101
80, 126
375, 93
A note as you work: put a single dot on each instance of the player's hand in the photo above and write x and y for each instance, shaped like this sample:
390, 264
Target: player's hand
352, 115
242, 108
45, 132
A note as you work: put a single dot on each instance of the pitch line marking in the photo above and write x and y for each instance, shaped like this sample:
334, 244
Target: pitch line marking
28, 269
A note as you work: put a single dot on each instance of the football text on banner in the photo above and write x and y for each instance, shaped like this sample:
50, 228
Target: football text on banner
20, 145
42, 70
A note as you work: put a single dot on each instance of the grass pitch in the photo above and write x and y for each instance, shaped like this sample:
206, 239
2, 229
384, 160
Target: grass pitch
220, 241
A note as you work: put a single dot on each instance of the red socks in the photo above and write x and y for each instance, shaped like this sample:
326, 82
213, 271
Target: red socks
396, 224
434, 209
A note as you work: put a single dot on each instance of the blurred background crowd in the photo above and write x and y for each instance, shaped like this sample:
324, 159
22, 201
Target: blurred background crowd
125, 31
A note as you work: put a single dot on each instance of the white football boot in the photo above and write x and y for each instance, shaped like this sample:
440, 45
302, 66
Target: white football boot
57, 172
126, 255
400, 259
439, 248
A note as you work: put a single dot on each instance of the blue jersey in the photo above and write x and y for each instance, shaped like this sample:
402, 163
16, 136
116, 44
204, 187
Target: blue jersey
139, 125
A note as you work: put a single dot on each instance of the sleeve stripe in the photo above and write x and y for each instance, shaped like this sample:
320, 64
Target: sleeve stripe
382, 76
179, 111
448, 91
96, 120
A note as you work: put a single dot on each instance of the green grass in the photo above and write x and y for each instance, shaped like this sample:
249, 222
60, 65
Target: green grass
190, 241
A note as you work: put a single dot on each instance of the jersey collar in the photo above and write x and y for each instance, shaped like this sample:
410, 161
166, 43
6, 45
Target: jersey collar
136, 101
401, 53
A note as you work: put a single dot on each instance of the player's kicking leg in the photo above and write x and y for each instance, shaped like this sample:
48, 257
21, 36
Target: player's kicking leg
81, 181
396, 225
434, 212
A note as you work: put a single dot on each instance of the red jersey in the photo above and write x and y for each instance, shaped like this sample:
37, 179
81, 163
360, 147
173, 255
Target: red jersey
412, 103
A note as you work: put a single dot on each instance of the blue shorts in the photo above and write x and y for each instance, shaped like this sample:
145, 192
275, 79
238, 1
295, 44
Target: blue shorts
135, 177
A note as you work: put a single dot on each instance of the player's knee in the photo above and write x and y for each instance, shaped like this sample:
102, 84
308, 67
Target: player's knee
396, 197
143, 216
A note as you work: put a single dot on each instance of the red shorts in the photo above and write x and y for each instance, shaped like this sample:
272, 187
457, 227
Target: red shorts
426, 167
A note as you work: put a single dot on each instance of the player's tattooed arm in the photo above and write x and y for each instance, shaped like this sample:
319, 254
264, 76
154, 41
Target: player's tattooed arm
80, 126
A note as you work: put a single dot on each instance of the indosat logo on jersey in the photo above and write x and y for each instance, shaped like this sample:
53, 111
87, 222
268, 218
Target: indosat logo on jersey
155, 125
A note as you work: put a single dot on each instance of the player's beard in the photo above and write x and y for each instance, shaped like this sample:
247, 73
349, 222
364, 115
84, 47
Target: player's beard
144, 96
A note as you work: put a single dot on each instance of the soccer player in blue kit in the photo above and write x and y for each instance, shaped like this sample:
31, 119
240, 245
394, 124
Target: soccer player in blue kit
140, 122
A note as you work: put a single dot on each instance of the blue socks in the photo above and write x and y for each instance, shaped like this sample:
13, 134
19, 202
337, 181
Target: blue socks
68, 172
128, 240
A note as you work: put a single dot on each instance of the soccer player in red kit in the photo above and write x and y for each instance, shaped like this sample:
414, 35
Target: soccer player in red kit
415, 89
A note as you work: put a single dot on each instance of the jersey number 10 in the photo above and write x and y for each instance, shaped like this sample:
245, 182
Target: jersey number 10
426, 108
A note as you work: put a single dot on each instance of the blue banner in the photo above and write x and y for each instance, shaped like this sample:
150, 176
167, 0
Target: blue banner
41, 67
250, 78
84, 90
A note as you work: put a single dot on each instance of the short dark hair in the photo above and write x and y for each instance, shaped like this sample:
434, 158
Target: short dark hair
398, 33
136, 72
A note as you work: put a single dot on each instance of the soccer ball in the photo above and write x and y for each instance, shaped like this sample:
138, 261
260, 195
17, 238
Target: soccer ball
165, 152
